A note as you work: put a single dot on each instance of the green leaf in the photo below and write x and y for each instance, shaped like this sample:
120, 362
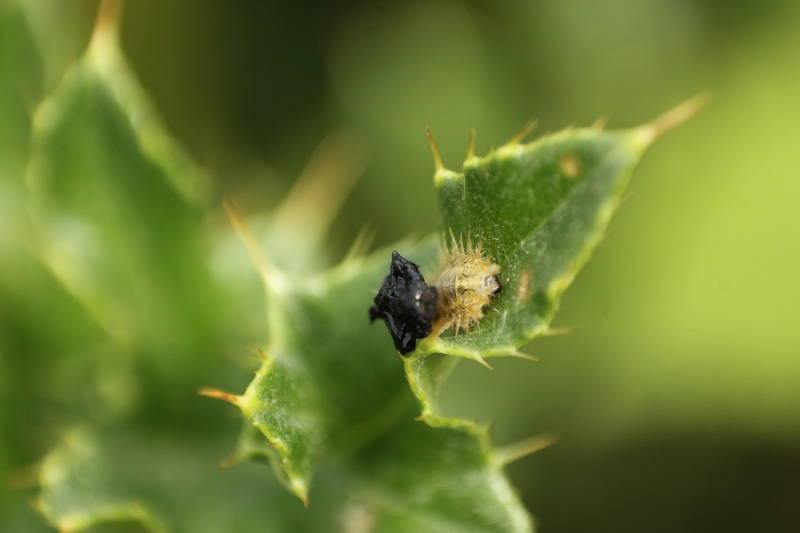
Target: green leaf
325, 391
419, 478
79, 489
162, 481
331, 389
329, 382
403, 481
117, 211
537, 210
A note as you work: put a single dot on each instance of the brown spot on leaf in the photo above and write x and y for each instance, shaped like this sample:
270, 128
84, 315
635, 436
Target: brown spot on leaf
569, 166
524, 287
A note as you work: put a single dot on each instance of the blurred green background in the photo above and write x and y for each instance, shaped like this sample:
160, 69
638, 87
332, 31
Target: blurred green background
677, 398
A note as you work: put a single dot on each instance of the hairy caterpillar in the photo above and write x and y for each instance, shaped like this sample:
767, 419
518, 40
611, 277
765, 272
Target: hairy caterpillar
467, 282
412, 310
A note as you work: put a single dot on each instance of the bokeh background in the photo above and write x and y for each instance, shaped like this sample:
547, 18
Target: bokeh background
677, 398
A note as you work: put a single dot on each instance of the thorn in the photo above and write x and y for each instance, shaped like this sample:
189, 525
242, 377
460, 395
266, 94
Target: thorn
229, 397
298, 487
430, 418
475, 356
262, 356
526, 130
437, 161
105, 31
229, 462
471, 145
645, 135
521, 355
552, 332
361, 244
521, 449
322, 187
265, 269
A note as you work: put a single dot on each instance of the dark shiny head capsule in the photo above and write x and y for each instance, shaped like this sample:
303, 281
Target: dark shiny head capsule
406, 303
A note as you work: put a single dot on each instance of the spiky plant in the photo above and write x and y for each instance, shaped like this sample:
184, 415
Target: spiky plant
112, 222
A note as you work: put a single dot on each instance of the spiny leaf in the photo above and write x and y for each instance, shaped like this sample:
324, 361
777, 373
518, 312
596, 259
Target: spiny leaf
402, 481
329, 389
164, 482
328, 383
80, 491
538, 210
419, 478
116, 208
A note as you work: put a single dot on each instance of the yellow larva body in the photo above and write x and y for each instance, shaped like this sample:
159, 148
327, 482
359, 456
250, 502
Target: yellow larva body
467, 282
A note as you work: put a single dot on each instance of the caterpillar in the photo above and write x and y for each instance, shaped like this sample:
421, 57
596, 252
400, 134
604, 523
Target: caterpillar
412, 310
467, 282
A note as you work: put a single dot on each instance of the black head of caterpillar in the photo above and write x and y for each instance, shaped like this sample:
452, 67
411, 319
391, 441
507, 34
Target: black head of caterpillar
467, 282
406, 303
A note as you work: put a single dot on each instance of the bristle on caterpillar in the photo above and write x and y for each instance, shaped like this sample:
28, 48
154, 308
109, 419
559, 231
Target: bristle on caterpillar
467, 282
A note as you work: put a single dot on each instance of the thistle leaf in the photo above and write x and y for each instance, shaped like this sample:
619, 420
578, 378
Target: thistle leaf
329, 383
116, 209
538, 210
